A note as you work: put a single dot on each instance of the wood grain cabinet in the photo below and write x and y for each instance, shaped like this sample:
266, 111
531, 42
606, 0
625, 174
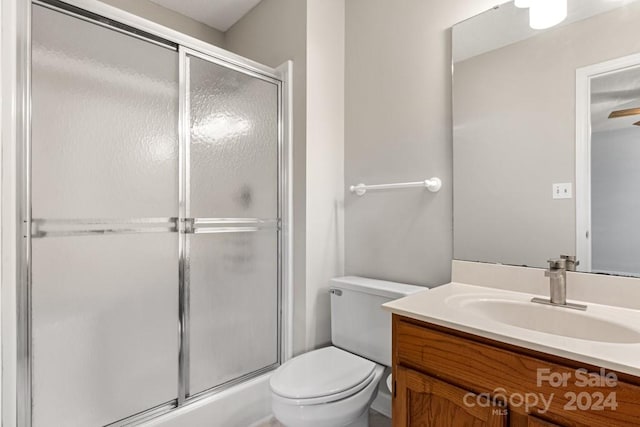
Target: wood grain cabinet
430, 402
533, 421
446, 378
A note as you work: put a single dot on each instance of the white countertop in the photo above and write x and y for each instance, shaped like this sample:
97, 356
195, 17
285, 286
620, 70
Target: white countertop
438, 306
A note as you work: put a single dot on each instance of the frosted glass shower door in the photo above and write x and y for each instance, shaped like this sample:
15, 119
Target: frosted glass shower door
104, 178
232, 201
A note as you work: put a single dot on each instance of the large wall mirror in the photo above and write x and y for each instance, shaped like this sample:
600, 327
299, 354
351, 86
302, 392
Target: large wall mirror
546, 128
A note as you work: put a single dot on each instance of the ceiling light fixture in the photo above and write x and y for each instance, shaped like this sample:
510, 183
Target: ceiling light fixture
544, 14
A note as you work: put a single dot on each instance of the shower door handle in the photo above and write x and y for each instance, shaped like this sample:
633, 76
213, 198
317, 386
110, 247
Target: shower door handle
227, 225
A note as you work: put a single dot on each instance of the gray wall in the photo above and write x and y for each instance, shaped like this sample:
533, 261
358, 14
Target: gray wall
171, 19
615, 201
514, 137
398, 128
272, 33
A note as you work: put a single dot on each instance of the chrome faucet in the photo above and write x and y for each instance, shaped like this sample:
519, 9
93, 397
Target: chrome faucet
557, 274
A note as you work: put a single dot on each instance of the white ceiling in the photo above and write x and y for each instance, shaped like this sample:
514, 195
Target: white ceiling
219, 14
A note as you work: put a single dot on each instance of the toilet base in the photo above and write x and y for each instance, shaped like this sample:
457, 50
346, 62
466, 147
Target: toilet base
362, 421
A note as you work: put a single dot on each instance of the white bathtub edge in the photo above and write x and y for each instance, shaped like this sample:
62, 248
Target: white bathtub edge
240, 406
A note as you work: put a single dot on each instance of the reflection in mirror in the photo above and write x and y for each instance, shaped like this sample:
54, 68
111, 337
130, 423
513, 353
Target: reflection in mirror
608, 177
521, 159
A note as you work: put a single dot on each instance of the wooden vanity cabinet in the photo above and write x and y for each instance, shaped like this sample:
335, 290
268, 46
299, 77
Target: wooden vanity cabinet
431, 402
446, 378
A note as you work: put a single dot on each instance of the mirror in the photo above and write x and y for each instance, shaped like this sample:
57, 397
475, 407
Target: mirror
539, 167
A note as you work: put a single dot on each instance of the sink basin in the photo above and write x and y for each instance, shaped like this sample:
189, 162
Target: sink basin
607, 336
547, 319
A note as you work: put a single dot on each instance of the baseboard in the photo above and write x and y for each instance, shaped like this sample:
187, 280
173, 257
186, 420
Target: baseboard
266, 421
382, 403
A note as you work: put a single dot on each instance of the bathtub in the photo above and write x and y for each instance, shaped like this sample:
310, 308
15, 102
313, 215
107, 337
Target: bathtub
241, 406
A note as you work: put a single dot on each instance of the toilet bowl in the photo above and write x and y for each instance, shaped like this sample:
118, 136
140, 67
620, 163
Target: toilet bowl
334, 386
328, 387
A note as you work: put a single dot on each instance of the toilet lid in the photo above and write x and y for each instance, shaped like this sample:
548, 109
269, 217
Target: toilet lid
322, 372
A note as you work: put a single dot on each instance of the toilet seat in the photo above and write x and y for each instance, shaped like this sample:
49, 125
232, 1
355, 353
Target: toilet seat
322, 376
328, 398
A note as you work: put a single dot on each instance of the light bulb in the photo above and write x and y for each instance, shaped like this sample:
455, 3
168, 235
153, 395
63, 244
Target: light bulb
547, 13
523, 4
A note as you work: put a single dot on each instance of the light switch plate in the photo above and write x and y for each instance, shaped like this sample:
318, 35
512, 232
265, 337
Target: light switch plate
563, 191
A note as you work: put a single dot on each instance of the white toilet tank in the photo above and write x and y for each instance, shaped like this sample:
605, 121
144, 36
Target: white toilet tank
358, 323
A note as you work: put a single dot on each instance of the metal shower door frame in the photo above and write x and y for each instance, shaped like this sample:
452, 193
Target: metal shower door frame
190, 225
16, 201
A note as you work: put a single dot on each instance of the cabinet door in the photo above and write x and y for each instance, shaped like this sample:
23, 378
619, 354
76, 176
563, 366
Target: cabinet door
424, 401
537, 422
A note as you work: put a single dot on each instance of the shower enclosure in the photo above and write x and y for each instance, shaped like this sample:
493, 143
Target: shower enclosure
154, 247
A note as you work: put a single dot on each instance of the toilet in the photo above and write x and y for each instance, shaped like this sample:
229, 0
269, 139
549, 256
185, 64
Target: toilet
334, 386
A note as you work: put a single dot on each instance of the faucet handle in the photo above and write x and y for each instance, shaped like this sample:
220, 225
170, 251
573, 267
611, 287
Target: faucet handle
571, 262
557, 264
